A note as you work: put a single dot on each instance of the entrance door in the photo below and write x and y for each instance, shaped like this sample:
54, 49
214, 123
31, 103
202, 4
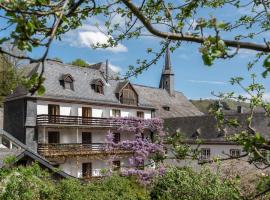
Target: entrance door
86, 137
54, 112
86, 114
86, 170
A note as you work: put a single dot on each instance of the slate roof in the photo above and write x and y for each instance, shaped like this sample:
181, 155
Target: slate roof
205, 127
23, 151
179, 105
148, 97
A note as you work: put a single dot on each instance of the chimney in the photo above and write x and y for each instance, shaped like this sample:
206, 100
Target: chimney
107, 71
240, 109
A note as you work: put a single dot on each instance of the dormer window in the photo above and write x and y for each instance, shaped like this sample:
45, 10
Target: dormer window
98, 86
67, 82
127, 94
167, 108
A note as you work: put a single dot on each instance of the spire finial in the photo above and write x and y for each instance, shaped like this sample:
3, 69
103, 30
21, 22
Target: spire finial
167, 59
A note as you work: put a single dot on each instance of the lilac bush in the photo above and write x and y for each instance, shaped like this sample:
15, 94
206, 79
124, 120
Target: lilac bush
142, 149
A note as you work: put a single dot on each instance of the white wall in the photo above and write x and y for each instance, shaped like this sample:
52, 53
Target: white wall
73, 166
74, 135
97, 111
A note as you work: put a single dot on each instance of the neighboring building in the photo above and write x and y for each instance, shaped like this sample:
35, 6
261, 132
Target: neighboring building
11, 147
69, 123
214, 140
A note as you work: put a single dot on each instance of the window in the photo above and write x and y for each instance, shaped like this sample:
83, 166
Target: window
127, 95
53, 137
54, 112
234, 153
205, 154
67, 82
86, 137
86, 170
116, 137
116, 113
98, 86
167, 108
140, 114
86, 114
116, 165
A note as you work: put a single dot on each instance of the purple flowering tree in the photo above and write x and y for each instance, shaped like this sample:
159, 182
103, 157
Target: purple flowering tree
145, 151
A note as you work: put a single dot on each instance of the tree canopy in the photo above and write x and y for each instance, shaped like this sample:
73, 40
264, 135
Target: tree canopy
79, 62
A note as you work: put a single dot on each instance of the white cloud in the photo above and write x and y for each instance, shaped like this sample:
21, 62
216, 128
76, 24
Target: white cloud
89, 36
115, 68
208, 82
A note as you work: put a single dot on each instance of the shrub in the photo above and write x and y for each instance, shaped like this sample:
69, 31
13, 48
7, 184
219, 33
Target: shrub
185, 184
24, 183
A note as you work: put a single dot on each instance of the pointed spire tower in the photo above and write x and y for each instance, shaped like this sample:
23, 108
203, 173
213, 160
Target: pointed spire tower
167, 76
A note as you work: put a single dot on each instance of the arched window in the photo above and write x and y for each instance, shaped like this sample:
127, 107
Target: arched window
98, 86
67, 82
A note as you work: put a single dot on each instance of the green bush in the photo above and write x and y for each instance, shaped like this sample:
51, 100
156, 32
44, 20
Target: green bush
114, 187
185, 184
25, 183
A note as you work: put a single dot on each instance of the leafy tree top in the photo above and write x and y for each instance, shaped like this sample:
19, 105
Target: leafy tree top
79, 62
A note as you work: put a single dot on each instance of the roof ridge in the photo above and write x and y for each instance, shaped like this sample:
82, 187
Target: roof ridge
153, 87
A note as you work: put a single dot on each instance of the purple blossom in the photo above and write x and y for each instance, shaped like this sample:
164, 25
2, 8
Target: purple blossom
142, 148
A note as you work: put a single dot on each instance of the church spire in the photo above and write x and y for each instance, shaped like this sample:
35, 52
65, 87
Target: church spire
167, 60
167, 76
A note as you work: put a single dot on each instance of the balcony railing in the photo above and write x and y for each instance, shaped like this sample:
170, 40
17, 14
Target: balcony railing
75, 120
75, 149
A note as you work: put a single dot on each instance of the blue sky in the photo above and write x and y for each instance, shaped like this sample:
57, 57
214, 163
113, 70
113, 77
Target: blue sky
192, 77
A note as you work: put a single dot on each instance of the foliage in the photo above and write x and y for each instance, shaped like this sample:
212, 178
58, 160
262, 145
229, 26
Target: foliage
28, 25
79, 62
24, 183
186, 184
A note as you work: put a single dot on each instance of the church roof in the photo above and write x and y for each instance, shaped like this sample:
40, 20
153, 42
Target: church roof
148, 97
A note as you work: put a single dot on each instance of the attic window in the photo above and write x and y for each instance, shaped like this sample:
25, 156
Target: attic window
67, 82
167, 108
98, 86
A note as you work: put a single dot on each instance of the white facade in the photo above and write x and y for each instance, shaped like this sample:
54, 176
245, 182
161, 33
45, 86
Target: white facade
73, 135
69, 109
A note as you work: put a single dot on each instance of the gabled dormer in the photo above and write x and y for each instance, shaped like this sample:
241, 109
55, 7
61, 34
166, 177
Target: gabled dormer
98, 86
126, 93
67, 81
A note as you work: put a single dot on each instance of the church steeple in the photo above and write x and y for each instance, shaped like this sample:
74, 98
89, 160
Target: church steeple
167, 76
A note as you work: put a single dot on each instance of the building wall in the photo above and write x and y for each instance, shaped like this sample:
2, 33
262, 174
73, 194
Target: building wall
74, 135
14, 118
73, 166
97, 111
216, 151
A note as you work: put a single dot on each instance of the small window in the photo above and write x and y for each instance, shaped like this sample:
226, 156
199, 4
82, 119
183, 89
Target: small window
116, 113
67, 82
140, 114
205, 154
116, 165
116, 137
98, 86
167, 108
234, 153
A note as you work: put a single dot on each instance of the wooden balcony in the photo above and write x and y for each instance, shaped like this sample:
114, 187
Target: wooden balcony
61, 120
75, 149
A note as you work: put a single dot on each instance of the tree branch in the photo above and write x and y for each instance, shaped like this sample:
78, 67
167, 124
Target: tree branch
189, 38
